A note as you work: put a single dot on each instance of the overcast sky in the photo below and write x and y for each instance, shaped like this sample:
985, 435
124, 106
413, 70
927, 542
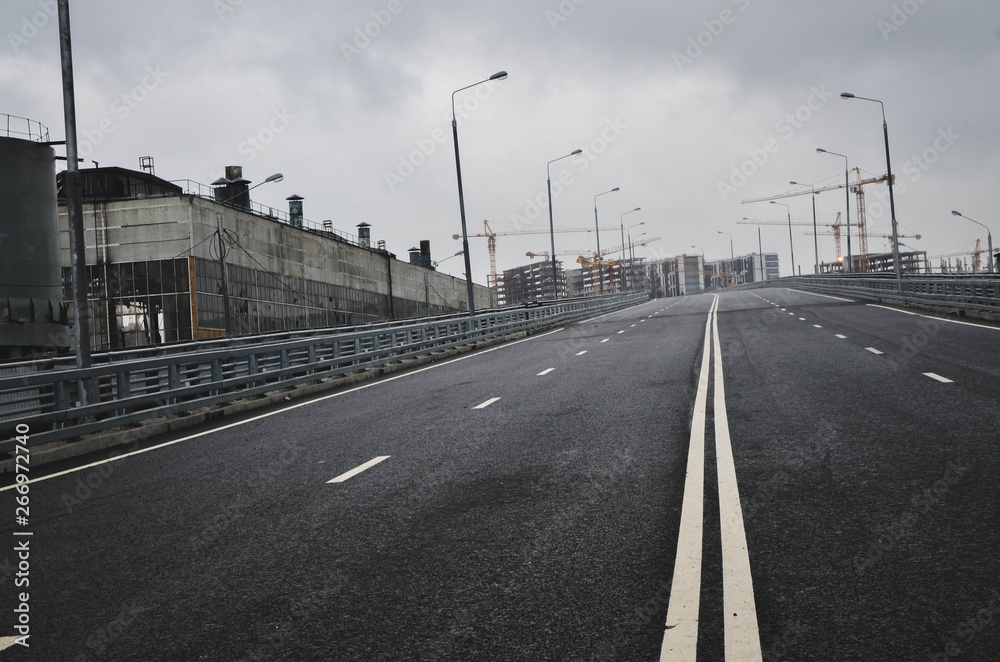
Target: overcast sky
689, 108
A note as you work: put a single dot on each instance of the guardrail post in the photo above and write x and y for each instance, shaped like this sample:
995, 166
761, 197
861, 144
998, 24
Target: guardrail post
173, 380
122, 390
312, 359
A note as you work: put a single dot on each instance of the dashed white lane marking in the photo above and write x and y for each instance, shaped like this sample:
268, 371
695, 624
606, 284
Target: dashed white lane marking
643, 319
486, 404
581, 353
606, 340
621, 332
873, 350
305, 403
356, 470
818, 326
792, 314
842, 337
943, 380
545, 372
802, 319
632, 326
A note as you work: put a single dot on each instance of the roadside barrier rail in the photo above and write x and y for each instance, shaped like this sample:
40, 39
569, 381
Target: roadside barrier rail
137, 389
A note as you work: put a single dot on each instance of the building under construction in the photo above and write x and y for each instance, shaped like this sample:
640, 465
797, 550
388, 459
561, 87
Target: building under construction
532, 282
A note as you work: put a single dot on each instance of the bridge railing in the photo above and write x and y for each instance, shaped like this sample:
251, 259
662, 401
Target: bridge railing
132, 391
955, 292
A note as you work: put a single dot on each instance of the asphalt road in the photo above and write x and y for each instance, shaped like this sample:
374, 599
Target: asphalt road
546, 524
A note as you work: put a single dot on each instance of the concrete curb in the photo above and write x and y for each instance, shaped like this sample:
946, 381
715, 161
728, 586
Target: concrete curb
66, 449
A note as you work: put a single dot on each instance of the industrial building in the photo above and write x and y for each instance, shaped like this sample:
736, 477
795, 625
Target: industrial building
155, 264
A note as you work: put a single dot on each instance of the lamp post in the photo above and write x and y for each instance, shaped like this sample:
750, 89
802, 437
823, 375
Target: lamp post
989, 237
621, 220
226, 311
552, 230
847, 204
815, 233
500, 75
760, 248
631, 259
791, 246
732, 258
888, 172
597, 231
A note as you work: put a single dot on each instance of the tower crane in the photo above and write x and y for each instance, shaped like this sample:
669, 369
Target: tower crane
491, 242
836, 225
857, 188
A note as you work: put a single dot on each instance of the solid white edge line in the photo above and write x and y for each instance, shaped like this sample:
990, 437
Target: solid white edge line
282, 410
356, 470
742, 635
486, 404
825, 296
680, 638
545, 372
939, 319
905, 312
943, 380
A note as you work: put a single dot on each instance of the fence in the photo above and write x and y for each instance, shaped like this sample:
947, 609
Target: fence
134, 390
958, 293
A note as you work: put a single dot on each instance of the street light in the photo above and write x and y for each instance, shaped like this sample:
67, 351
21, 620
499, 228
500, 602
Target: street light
791, 246
597, 231
888, 172
815, 233
732, 257
500, 75
227, 314
989, 237
760, 249
847, 203
631, 259
621, 220
552, 230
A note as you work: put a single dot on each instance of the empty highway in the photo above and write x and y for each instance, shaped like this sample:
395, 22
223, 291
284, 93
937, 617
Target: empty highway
758, 475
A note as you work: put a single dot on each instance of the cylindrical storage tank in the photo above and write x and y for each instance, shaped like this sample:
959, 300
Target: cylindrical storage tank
32, 315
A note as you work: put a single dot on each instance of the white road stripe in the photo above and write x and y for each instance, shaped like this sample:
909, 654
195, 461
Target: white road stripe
581, 353
282, 410
680, 638
622, 331
356, 470
840, 336
606, 340
873, 350
905, 312
943, 380
545, 372
817, 326
939, 319
632, 326
486, 404
740, 616
825, 296
802, 319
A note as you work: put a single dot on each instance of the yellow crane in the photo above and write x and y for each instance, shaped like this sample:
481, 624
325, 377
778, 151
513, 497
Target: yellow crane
491, 242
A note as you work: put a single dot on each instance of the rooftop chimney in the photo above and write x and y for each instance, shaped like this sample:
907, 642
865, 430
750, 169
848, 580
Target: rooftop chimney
364, 235
425, 253
415, 256
295, 210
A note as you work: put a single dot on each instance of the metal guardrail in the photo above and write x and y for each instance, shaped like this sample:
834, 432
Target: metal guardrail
12, 126
145, 388
964, 292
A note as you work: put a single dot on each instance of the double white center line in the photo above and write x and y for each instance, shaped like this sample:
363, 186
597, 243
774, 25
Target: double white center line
742, 638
